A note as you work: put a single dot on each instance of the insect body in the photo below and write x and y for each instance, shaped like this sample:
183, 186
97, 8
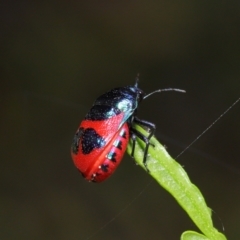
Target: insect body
102, 137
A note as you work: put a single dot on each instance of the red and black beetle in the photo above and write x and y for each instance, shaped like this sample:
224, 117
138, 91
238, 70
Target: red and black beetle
102, 137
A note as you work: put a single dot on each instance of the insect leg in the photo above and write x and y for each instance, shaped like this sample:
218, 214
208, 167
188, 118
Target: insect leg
145, 139
144, 123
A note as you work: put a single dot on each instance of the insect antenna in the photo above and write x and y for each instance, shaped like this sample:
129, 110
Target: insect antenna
164, 90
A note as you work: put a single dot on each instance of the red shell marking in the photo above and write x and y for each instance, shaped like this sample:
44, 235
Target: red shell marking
99, 162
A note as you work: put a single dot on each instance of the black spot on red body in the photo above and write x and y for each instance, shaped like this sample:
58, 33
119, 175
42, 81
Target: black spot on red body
123, 134
104, 167
76, 141
91, 140
112, 156
118, 144
94, 176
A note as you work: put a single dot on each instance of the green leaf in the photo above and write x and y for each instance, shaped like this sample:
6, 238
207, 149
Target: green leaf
191, 235
171, 176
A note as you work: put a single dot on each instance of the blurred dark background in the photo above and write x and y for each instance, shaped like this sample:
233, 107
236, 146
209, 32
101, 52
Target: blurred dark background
58, 56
